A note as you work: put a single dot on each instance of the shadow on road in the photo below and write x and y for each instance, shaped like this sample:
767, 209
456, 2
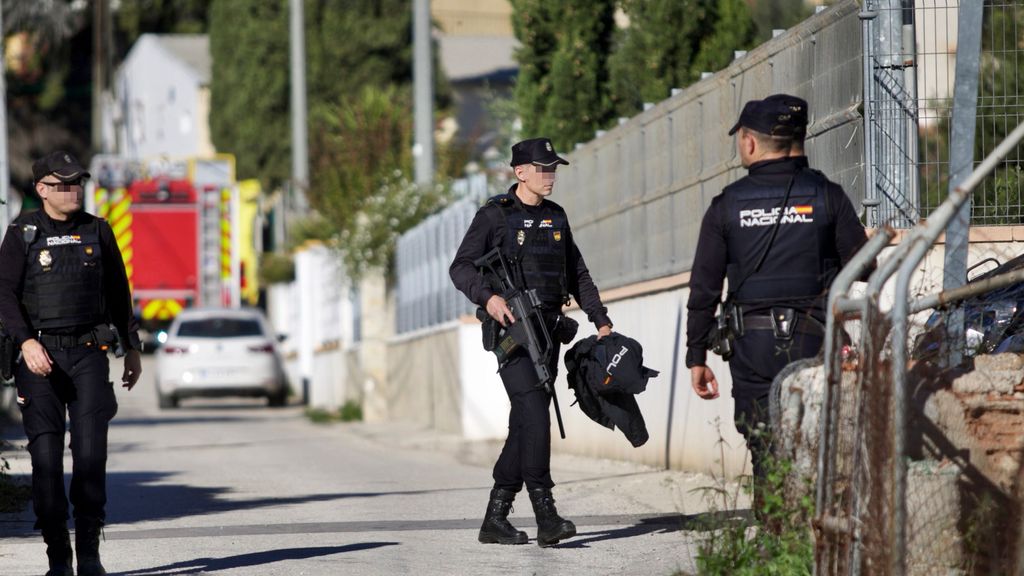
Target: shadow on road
143, 496
659, 525
248, 560
183, 419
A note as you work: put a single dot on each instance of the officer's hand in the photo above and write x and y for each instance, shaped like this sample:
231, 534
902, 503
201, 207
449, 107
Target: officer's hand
36, 357
498, 309
704, 382
132, 369
603, 331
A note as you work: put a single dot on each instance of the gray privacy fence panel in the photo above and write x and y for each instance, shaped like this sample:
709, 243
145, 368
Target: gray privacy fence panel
423, 293
636, 194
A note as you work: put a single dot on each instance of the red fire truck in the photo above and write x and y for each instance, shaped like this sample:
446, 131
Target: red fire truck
175, 239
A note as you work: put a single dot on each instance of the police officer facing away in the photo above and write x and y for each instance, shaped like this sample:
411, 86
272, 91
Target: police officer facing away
534, 231
62, 283
779, 235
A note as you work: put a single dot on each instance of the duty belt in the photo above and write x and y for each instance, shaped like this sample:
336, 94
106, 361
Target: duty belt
804, 325
65, 341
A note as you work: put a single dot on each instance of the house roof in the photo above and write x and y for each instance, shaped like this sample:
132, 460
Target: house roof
192, 49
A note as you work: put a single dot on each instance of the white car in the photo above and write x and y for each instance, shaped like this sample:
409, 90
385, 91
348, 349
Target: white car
220, 352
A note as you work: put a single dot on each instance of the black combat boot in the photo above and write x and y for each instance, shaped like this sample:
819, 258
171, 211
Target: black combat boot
550, 526
87, 546
496, 528
58, 551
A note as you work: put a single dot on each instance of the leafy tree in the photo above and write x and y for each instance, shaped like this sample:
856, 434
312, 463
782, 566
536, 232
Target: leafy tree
670, 42
249, 113
579, 102
998, 200
361, 189
777, 14
535, 24
562, 89
134, 18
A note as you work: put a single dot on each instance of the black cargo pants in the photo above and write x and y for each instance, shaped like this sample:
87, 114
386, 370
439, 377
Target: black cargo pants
526, 456
77, 387
758, 358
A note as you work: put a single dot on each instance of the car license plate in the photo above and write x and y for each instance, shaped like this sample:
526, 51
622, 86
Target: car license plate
216, 373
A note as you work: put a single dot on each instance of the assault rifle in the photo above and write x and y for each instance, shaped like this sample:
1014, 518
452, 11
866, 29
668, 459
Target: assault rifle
529, 330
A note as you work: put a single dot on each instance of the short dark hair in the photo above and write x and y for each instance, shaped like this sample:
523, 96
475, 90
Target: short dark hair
773, 143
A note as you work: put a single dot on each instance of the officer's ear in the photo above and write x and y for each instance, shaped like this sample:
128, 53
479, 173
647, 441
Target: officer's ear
41, 189
747, 143
521, 172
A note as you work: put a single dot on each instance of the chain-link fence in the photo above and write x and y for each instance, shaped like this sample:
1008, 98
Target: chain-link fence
921, 464
910, 59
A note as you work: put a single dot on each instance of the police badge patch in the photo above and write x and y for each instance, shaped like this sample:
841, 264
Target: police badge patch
45, 259
558, 236
521, 237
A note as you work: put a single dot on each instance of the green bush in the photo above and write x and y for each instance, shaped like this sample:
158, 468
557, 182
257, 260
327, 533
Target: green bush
351, 411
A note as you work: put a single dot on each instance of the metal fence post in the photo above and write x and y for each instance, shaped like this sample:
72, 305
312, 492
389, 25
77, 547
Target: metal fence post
870, 201
961, 162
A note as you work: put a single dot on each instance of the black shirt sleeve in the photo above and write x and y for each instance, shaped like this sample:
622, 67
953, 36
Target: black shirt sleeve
706, 278
850, 233
116, 288
12, 265
477, 242
582, 286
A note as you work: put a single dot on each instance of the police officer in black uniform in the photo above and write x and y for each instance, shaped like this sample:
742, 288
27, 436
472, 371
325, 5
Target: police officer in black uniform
62, 284
779, 235
533, 231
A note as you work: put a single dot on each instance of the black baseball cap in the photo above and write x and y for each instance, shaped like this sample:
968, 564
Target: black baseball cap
62, 165
776, 115
537, 151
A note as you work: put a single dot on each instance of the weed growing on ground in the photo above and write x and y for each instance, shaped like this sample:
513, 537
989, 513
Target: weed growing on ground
779, 543
351, 411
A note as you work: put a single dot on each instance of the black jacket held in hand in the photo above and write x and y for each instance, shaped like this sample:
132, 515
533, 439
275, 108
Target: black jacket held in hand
605, 375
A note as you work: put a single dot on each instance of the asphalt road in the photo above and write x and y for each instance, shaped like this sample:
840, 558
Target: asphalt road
232, 487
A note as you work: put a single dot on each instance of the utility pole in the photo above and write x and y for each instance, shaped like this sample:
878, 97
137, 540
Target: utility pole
300, 142
300, 171
423, 89
100, 70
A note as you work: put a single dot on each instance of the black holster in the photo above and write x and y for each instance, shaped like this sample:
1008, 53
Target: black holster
727, 328
565, 329
489, 329
8, 357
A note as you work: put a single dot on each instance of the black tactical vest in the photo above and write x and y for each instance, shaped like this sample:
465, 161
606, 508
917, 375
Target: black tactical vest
537, 241
803, 258
64, 278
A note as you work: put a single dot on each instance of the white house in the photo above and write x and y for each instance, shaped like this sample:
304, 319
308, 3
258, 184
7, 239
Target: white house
161, 102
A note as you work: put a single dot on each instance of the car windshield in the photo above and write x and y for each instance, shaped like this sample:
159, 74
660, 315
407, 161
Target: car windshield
220, 328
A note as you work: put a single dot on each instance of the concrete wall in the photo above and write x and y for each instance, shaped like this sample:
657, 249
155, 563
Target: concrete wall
444, 380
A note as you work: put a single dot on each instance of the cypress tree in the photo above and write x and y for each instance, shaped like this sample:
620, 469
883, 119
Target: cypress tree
579, 102
249, 100
670, 42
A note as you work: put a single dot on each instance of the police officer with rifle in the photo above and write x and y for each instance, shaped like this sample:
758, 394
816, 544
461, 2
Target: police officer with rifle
519, 264
62, 285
